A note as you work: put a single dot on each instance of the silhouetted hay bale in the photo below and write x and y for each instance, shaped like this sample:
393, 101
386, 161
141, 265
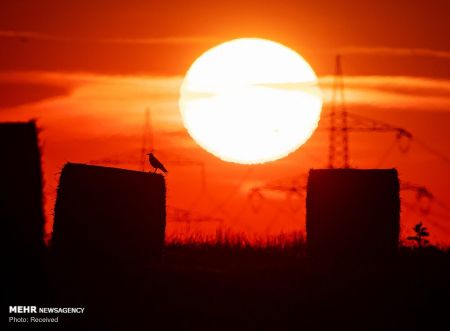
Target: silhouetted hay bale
21, 199
109, 215
352, 214
21, 212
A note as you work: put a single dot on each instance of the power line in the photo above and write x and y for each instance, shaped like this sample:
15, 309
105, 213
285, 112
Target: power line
444, 227
433, 151
388, 152
442, 205
232, 193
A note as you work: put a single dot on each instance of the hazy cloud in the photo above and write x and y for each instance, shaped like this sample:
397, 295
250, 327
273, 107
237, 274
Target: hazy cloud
393, 51
400, 92
163, 40
26, 35
13, 94
393, 92
31, 35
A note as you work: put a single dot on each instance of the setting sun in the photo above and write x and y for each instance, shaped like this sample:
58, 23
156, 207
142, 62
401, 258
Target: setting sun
250, 101
165, 166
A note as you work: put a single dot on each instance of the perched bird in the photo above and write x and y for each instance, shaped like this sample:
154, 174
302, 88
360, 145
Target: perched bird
154, 162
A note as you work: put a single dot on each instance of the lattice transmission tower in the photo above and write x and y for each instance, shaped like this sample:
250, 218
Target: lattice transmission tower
341, 123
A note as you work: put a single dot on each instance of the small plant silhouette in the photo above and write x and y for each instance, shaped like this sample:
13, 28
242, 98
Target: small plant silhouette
421, 233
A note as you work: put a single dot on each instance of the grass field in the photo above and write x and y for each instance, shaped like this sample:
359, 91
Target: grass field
230, 284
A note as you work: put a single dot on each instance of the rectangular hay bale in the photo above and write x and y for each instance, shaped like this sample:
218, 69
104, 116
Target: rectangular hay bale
352, 214
21, 197
109, 215
21, 213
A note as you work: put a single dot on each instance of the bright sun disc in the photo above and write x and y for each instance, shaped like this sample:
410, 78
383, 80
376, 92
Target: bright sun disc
250, 101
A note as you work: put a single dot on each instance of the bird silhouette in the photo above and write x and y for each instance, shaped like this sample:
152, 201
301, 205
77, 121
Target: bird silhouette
155, 163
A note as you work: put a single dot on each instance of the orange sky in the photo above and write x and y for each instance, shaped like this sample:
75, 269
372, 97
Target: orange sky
88, 70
